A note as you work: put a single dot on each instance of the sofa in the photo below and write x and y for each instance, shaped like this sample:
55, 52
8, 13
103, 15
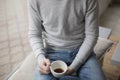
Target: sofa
25, 70
103, 4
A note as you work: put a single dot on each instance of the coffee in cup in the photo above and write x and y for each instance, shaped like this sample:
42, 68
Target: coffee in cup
58, 70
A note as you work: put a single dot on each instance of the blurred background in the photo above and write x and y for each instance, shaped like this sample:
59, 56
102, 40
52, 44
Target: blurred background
14, 44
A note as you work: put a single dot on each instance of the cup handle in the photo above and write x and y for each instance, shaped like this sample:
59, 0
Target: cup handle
50, 68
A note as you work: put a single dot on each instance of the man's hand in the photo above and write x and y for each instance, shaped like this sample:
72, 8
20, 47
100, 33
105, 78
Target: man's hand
69, 71
44, 66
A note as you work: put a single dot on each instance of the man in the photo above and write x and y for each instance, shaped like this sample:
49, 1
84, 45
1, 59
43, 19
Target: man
69, 29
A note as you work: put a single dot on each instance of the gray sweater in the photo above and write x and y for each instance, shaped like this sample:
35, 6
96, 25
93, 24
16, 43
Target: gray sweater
65, 24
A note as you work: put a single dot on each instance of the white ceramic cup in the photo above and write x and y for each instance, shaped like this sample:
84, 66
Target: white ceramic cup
58, 65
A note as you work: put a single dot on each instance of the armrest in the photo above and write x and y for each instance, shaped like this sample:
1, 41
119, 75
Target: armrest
116, 56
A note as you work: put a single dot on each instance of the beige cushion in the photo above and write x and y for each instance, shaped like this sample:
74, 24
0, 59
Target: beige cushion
102, 46
26, 70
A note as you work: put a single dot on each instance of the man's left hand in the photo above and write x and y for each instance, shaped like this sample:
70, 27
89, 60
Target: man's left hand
69, 71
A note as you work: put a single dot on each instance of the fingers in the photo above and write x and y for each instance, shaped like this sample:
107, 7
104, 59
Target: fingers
47, 62
44, 66
69, 71
43, 72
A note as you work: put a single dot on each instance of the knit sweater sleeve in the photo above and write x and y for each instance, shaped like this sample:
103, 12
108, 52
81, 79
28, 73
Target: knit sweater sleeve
91, 34
35, 29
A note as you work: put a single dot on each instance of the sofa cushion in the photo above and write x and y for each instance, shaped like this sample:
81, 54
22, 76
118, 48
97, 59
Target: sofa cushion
102, 46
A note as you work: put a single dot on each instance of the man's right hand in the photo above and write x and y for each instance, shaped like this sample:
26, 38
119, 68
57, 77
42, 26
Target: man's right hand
44, 66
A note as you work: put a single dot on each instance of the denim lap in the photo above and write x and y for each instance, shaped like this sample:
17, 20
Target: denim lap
38, 76
91, 70
69, 78
66, 56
